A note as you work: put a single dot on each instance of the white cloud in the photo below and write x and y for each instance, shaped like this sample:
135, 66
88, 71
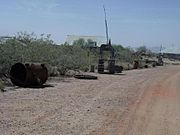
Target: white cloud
38, 6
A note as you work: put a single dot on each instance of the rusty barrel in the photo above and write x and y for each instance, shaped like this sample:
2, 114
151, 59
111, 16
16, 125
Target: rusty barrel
28, 75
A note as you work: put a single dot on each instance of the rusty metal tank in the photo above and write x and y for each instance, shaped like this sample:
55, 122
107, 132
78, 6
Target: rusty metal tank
28, 75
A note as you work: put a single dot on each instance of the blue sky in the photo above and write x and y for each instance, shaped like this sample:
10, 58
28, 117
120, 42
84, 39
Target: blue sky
131, 22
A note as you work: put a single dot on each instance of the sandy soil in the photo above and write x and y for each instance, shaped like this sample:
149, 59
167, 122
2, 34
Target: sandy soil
137, 102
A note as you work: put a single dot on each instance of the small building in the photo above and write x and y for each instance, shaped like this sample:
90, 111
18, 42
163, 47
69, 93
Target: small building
3, 39
172, 52
98, 40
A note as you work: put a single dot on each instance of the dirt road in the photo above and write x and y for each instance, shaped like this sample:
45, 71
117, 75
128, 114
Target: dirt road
137, 102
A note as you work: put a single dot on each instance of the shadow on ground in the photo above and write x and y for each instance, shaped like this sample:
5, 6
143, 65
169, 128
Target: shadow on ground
14, 88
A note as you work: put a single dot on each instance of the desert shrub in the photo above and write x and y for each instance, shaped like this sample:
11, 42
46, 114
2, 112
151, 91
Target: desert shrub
29, 48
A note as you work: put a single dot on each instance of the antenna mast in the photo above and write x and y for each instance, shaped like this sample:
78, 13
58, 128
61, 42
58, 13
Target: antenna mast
160, 48
106, 25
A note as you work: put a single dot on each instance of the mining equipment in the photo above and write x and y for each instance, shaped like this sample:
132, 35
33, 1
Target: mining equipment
111, 60
160, 61
112, 68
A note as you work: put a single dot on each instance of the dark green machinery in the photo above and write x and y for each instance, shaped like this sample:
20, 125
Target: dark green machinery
111, 68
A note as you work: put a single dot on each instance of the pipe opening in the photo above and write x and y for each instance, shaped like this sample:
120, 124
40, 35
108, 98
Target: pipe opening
26, 75
18, 73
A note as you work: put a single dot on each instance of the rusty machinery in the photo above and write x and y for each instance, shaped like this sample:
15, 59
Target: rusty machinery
111, 61
28, 75
160, 61
141, 62
112, 68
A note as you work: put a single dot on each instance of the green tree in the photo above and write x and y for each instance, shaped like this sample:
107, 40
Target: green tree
80, 42
142, 49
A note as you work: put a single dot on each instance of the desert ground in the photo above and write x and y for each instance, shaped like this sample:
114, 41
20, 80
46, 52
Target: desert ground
136, 102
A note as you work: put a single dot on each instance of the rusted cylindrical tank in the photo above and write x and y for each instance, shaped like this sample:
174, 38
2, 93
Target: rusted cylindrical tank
28, 75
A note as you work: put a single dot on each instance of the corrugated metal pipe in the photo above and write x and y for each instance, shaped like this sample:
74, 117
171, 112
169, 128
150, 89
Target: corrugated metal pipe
28, 75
